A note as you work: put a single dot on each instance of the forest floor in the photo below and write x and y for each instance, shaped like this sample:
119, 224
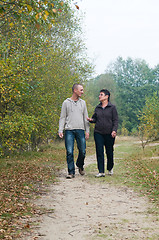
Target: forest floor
87, 208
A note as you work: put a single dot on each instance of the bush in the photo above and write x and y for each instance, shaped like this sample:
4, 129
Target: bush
16, 132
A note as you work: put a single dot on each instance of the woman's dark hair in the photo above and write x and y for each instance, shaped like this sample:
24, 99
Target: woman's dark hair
106, 92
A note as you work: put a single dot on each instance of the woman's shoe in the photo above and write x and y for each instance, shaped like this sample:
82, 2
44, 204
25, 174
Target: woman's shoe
100, 175
81, 171
110, 172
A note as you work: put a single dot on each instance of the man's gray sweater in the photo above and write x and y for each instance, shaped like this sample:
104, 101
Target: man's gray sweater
73, 115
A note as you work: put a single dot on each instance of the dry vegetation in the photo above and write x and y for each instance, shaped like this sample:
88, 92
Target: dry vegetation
26, 176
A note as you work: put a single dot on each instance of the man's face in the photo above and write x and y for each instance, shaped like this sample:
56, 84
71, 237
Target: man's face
79, 91
102, 97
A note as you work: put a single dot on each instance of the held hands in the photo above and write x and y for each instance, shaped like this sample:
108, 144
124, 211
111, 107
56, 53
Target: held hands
113, 132
89, 119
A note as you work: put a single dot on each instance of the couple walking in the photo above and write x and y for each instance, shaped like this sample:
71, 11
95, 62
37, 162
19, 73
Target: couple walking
75, 121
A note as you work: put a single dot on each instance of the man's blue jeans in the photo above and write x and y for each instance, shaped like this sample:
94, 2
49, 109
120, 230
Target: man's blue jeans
107, 141
70, 136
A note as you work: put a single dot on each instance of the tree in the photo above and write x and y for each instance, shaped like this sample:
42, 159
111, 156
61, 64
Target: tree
149, 120
134, 80
38, 65
94, 86
38, 11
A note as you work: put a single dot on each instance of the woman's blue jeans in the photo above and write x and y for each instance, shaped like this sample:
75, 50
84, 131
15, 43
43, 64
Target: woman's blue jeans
70, 137
101, 141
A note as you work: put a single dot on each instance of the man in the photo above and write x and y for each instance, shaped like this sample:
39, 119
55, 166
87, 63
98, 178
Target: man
73, 119
105, 118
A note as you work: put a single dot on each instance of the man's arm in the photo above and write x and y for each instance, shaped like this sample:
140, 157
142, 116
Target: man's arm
62, 120
86, 122
61, 134
87, 135
93, 119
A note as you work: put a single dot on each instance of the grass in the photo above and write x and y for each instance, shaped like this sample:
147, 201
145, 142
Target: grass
141, 169
24, 177
134, 168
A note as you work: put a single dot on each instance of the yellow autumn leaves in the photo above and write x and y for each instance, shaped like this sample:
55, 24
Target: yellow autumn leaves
44, 14
38, 67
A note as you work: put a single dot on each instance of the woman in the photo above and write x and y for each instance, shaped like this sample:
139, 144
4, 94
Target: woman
105, 118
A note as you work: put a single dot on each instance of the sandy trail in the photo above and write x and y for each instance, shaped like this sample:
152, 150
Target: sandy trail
83, 210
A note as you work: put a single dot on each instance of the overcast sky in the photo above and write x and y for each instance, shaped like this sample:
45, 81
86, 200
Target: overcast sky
126, 28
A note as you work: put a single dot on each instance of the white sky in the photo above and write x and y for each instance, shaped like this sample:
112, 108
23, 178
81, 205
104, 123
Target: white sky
126, 28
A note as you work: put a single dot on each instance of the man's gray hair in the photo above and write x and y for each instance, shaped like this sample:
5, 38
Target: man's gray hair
75, 86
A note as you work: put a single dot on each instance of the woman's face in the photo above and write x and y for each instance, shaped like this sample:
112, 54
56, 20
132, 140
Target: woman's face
103, 97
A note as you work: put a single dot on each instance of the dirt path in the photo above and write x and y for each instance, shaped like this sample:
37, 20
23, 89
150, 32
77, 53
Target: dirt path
94, 211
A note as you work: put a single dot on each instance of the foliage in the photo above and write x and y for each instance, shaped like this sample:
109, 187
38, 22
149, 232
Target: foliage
135, 80
94, 86
124, 131
17, 131
39, 64
149, 120
39, 12
130, 82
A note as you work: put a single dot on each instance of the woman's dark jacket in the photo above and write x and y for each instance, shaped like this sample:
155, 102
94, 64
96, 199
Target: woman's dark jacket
105, 119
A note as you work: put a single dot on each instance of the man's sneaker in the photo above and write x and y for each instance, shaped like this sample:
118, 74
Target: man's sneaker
69, 176
100, 175
110, 172
81, 171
